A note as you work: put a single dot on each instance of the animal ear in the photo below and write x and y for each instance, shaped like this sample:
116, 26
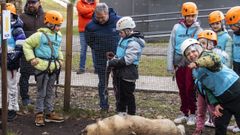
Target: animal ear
83, 132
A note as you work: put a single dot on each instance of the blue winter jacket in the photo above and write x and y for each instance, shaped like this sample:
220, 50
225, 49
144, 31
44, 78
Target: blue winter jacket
102, 38
14, 45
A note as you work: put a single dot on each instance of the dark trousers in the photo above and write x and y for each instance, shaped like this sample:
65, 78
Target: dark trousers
185, 85
229, 109
236, 67
126, 98
24, 85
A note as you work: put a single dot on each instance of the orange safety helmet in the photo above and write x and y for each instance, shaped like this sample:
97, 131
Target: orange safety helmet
208, 34
233, 16
11, 8
215, 16
189, 8
53, 17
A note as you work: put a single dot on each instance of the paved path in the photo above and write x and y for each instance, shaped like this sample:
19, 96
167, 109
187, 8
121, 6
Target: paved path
145, 83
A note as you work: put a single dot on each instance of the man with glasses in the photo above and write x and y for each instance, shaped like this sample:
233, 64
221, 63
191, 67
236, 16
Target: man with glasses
32, 18
101, 35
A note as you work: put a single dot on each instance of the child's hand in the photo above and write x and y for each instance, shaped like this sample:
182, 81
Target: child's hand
61, 62
192, 65
34, 62
217, 111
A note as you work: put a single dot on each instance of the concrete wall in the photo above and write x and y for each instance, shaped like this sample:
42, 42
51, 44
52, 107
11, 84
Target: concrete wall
136, 7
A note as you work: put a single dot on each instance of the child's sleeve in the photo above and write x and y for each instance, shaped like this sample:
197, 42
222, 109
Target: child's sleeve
19, 35
209, 60
30, 43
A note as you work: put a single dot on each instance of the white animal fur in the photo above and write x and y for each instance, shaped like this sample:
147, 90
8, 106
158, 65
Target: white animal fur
133, 125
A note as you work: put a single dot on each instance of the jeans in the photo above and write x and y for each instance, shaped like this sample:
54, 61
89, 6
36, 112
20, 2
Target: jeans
83, 52
24, 86
236, 67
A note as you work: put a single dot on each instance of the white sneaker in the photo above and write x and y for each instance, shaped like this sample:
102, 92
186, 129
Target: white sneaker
230, 128
191, 120
180, 119
208, 123
236, 130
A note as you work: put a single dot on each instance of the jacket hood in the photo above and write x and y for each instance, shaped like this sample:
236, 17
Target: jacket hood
139, 36
112, 15
40, 10
222, 32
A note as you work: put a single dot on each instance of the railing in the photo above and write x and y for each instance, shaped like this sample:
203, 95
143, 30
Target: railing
144, 19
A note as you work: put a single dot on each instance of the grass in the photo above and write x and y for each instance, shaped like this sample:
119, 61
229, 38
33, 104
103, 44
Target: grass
152, 66
75, 30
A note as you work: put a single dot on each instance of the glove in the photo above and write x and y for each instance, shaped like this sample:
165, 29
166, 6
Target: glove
109, 55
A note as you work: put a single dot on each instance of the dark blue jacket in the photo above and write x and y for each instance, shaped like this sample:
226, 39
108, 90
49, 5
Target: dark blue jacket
102, 38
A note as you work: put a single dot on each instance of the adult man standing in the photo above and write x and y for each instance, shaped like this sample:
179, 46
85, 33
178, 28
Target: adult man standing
85, 10
33, 18
102, 37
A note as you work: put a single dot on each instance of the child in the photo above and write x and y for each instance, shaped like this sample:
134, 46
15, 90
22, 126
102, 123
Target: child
222, 81
126, 63
186, 28
233, 20
208, 40
43, 50
216, 22
14, 48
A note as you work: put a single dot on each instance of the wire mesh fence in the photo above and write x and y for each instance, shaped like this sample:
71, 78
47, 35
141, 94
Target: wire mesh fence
152, 68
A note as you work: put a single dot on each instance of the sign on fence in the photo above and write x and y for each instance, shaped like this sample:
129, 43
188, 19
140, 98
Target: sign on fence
6, 24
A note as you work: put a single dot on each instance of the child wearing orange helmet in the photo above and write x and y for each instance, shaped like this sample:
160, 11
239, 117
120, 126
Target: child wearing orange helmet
186, 28
43, 50
233, 20
14, 53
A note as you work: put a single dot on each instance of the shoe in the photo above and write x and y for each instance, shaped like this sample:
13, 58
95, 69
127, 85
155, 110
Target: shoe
12, 115
39, 120
236, 129
54, 117
80, 71
209, 123
191, 120
180, 119
230, 128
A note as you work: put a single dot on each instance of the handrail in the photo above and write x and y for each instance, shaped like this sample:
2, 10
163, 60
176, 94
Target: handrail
169, 13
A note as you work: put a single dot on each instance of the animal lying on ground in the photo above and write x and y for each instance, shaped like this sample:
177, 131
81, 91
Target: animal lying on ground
133, 125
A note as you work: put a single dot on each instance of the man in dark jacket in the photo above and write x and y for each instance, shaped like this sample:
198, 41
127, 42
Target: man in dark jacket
102, 37
32, 18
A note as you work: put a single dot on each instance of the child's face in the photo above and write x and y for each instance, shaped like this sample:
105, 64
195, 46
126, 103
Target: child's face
122, 34
234, 28
190, 19
217, 26
192, 55
206, 44
57, 27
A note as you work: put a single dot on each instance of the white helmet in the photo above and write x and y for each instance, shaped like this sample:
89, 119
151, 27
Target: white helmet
125, 22
188, 42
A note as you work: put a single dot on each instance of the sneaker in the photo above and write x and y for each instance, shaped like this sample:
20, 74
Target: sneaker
181, 119
54, 117
209, 123
80, 71
236, 129
191, 120
39, 120
12, 115
230, 128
